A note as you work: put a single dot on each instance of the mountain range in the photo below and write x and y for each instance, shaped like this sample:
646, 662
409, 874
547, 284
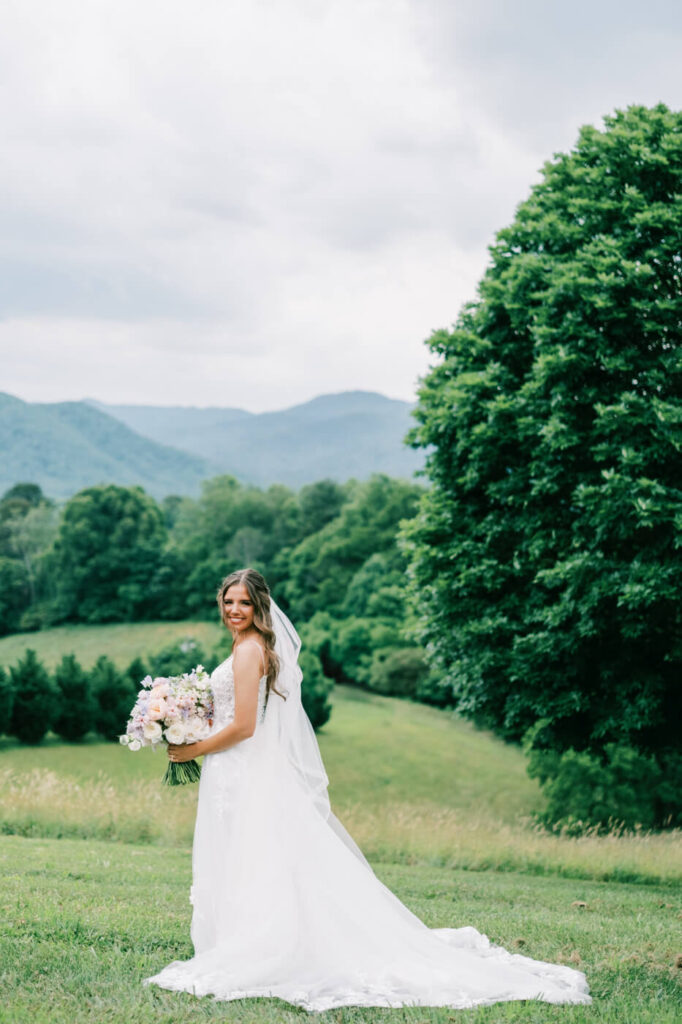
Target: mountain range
64, 446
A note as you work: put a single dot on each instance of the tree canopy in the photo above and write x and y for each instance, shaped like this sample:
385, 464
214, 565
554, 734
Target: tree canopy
546, 559
107, 553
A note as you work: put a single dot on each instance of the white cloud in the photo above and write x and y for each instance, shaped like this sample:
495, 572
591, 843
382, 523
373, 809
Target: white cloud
249, 203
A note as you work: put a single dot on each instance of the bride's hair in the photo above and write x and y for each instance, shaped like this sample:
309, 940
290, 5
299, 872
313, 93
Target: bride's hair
259, 593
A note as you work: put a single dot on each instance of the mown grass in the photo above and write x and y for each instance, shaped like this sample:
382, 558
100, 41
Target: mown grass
413, 785
82, 923
121, 641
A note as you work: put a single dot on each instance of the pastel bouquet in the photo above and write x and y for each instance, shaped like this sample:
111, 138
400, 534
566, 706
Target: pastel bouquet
172, 709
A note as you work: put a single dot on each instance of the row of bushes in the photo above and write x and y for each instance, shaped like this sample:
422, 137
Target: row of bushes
73, 702
616, 787
370, 651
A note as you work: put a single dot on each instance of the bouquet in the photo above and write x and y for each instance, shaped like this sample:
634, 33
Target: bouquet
173, 709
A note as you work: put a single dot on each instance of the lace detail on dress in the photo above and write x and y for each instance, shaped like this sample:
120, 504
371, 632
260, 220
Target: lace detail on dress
222, 683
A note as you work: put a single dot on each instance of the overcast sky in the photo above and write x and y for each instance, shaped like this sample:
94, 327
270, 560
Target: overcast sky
252, 202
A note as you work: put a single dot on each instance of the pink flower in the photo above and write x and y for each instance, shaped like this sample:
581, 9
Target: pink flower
156, 709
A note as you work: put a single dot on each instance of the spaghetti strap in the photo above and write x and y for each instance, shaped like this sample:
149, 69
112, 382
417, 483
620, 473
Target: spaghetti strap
262, 655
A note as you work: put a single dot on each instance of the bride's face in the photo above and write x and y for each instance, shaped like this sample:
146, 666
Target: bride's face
238, 608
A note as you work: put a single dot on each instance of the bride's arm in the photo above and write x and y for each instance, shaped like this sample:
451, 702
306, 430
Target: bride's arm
247, 667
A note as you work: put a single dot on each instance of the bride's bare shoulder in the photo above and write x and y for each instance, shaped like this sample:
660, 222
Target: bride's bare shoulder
249, 652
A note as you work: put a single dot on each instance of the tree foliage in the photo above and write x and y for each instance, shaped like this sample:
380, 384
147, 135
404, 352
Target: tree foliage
6, 701
623, 787
546, 557
76, 715
28, 525
315, 689
114, 695
108, 551
320, 569
36, 699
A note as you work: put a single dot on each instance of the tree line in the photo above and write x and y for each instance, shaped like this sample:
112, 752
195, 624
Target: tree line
329, 551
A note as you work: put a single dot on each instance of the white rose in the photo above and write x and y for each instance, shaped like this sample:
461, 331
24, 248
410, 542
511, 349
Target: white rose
134, 745
152, 731
124, 739
175, 733
195, 729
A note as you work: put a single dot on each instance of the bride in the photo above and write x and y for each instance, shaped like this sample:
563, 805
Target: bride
284, 903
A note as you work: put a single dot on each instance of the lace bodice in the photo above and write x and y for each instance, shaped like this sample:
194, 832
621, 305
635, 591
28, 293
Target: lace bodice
222, 683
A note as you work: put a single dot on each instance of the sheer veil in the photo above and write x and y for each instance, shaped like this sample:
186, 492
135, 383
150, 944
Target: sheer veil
294, 730
289, 725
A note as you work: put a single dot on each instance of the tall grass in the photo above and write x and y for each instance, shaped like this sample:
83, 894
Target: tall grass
44, 803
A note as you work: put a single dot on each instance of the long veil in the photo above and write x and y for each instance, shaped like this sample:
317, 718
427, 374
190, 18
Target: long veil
288, 722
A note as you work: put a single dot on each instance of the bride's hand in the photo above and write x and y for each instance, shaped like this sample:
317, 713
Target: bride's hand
180, 752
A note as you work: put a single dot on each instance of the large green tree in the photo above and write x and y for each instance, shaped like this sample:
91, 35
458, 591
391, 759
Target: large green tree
546, 559
107, 554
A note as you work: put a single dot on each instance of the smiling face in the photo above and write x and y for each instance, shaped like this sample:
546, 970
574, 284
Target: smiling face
238, 608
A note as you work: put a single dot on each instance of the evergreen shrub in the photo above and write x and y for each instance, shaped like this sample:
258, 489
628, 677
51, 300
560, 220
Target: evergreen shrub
315, 689
114, 696
6, 701
76, 717
36, 699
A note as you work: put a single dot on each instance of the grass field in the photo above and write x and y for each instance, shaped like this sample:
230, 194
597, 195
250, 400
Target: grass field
119, 641
83, 922
96, 864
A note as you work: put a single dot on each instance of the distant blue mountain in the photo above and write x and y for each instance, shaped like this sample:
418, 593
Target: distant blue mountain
351, 434
65, 446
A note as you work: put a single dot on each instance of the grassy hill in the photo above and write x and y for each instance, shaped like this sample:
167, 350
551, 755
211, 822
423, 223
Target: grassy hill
66, 446
120, 641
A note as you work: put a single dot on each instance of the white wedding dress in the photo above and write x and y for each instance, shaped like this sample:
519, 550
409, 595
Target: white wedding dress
284, 903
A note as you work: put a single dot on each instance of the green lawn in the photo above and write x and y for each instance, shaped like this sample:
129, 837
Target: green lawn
121, 641
96, 865
83, 922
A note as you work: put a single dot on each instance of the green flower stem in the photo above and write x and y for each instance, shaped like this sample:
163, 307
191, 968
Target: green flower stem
178, 773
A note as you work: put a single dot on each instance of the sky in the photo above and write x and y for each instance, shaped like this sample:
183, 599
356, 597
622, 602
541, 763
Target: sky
253, 202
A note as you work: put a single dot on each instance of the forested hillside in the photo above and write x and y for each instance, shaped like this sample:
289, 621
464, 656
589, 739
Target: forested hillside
64, 446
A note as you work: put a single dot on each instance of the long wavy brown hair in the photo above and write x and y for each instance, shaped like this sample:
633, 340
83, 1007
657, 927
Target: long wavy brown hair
259, 593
